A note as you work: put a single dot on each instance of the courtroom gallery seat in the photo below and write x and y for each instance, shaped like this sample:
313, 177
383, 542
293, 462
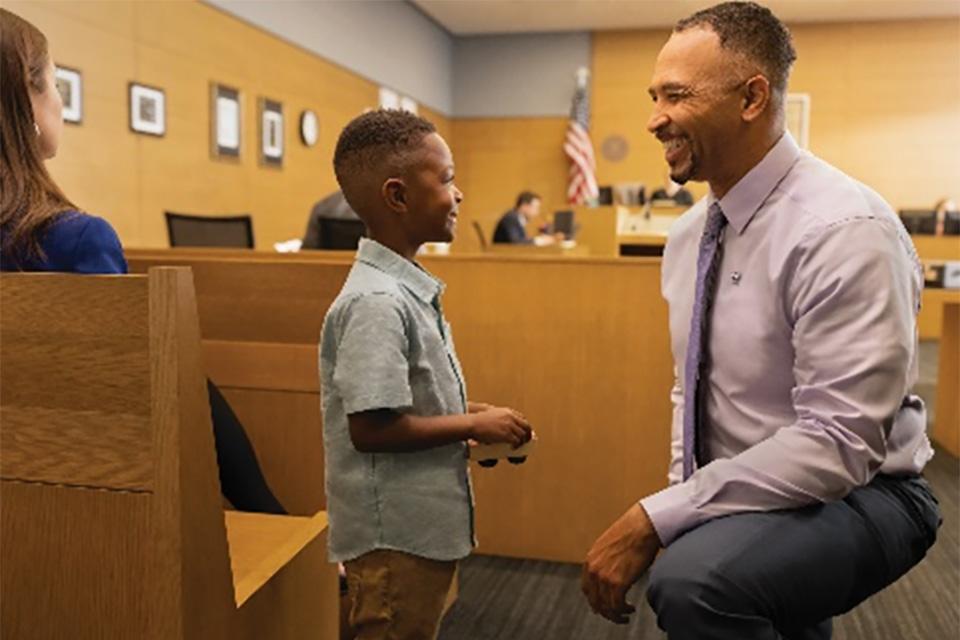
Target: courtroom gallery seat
112, 521
187, 230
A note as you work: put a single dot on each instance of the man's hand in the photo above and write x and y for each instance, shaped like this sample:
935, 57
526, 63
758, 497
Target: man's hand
617, 560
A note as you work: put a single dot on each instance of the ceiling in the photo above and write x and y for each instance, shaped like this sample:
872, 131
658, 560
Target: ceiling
467, 17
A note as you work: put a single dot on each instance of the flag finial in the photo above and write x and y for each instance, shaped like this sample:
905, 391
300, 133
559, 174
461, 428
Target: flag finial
583, 75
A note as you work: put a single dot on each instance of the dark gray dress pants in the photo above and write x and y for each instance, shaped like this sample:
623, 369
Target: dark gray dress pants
784, 574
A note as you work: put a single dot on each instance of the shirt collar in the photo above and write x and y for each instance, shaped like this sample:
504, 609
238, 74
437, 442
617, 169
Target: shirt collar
748, 195
407, 272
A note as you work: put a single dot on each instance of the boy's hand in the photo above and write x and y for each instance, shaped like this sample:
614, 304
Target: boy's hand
499, 424
477, 407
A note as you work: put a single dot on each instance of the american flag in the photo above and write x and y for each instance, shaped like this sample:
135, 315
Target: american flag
582, 178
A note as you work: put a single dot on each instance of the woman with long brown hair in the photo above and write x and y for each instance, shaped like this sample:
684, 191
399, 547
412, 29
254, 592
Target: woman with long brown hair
41, 229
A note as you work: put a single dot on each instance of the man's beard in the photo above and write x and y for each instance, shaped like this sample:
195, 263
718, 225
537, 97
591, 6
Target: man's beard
686, 176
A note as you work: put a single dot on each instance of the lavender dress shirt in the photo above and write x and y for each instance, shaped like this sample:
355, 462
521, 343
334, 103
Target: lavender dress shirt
813, 345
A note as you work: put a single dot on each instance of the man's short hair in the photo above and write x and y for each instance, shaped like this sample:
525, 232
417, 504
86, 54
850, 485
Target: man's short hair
526, 197
376, 139
753, 31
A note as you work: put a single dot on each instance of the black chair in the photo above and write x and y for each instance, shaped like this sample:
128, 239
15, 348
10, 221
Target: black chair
605, 195
209, 231
919, 221
339, 233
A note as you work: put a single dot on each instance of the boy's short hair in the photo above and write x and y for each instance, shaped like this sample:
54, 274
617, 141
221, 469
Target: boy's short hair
373, 141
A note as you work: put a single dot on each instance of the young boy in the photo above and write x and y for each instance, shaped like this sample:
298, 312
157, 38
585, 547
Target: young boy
396, 416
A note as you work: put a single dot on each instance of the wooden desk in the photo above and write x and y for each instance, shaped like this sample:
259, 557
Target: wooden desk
937, 247
946, 428
529, 250
934, 248
597, 230
645, 236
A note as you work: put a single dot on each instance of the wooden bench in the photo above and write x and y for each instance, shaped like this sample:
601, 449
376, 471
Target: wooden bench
112, 521
946, 429
260, 321
580, 345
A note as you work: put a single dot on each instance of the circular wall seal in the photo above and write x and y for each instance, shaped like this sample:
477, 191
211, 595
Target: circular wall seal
615, 148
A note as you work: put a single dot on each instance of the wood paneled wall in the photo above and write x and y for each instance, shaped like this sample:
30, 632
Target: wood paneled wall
181, 46
885, 108
885, 103
497, 158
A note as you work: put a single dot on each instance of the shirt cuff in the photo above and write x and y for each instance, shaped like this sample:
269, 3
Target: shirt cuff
397, 400
672, 511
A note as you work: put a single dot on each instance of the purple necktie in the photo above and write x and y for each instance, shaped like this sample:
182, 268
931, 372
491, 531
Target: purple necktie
708, 265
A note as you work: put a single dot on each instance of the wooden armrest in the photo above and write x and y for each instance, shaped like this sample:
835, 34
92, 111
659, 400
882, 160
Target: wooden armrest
261, 544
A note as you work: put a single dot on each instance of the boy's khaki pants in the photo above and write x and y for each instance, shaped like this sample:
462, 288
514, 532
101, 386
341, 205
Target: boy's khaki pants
396, 596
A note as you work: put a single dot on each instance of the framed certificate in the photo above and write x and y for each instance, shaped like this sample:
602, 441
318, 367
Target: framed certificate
70, 85
225, 122
271, 132
147, 110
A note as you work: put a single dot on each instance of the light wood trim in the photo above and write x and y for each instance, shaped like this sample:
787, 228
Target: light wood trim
642, 239
937, 247
262, 544
263, 365
184, 255
930, 319
530, 250
598, 230
946, 428
192, 560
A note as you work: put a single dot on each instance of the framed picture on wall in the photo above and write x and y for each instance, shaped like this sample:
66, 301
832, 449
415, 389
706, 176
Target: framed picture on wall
147, 110
798, 117
389, 99
271, 132
224, 122
409, 104
70, 85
